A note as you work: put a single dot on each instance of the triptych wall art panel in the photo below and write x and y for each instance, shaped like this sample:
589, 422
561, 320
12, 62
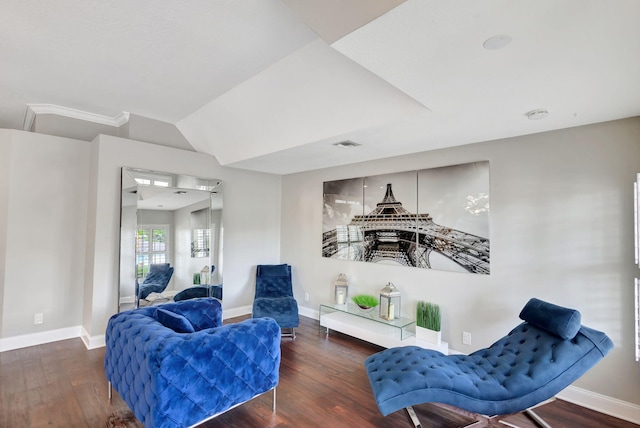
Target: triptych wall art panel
432, 219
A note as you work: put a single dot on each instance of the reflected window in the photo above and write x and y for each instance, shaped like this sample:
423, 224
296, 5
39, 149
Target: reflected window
151, 247
200, 242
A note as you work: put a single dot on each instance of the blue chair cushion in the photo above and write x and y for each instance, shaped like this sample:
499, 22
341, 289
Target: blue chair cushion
175, 322
563, 322
283, 309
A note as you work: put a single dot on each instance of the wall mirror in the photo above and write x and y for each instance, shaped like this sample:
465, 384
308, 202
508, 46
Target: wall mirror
171, 236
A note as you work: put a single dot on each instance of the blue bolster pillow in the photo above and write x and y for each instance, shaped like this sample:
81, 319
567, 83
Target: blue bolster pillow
175, 322
563, 322
273, 270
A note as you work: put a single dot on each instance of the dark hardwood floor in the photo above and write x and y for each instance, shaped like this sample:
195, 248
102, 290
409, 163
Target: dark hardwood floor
322, 384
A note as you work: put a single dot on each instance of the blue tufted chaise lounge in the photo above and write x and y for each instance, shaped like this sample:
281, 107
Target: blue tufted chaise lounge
274, 296
176, 365
155, 282
535, 361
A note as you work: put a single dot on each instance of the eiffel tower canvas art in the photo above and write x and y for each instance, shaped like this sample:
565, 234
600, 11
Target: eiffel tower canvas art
443, 225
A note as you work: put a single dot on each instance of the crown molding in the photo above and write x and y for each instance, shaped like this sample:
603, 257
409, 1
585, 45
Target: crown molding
36, 109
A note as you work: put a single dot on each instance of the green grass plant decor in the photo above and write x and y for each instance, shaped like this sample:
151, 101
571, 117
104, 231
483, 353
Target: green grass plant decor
365, 301
428, 315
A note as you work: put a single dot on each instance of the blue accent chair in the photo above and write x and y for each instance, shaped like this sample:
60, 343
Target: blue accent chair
176, 365
536, 360
274, 296
156, 281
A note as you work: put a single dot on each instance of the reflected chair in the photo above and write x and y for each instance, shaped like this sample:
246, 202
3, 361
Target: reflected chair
203, 290
529, 366
274, 297
156, 281
199, 291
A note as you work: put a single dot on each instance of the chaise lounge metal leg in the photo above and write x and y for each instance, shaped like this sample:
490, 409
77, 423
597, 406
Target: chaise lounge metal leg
110, 391
414, 417
484, 420
292, 335
537, 419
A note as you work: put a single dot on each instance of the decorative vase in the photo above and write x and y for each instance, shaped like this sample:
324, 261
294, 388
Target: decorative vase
428, 335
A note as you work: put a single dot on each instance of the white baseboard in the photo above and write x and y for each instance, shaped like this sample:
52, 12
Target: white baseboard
92, 342
308, 312
235, 312
601, 403
246, 310
33, 339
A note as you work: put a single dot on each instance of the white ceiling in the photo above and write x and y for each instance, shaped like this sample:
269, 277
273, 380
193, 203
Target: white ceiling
270, 85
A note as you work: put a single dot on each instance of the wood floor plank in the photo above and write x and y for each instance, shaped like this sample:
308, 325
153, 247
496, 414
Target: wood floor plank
323, 383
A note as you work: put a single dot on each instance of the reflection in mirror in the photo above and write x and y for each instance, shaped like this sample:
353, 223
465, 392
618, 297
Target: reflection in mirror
170, 238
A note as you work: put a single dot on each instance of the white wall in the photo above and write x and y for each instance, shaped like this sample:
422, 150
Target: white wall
45, 194
561, 229
71, 189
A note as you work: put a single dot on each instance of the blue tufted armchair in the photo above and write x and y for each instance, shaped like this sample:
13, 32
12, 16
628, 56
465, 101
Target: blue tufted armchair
176, 365
274, 296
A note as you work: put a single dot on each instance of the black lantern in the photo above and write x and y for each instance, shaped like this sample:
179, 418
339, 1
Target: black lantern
341, 290
389, 302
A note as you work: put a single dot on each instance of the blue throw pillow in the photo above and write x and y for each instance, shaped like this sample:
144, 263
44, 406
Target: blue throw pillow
175, 322
561, 321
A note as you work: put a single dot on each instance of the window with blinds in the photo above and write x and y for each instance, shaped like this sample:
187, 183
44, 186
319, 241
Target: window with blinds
151, 247
200, 242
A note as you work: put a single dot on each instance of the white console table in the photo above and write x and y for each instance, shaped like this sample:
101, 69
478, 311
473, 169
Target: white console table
368, 326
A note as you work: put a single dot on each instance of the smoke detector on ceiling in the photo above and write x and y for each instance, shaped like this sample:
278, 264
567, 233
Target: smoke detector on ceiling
347, 144
496, 42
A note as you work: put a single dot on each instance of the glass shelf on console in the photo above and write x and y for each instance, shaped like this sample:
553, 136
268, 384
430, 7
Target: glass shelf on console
366, 324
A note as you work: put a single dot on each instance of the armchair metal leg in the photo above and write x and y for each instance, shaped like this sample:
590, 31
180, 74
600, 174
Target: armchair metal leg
110, 391
274, 400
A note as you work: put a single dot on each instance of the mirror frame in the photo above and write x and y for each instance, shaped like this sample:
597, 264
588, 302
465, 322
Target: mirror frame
132, 182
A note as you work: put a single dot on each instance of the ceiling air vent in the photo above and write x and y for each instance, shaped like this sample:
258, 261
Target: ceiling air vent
347, 144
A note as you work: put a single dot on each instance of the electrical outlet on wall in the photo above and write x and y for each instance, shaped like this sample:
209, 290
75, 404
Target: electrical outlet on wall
306, 297
38, 318
466, 338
